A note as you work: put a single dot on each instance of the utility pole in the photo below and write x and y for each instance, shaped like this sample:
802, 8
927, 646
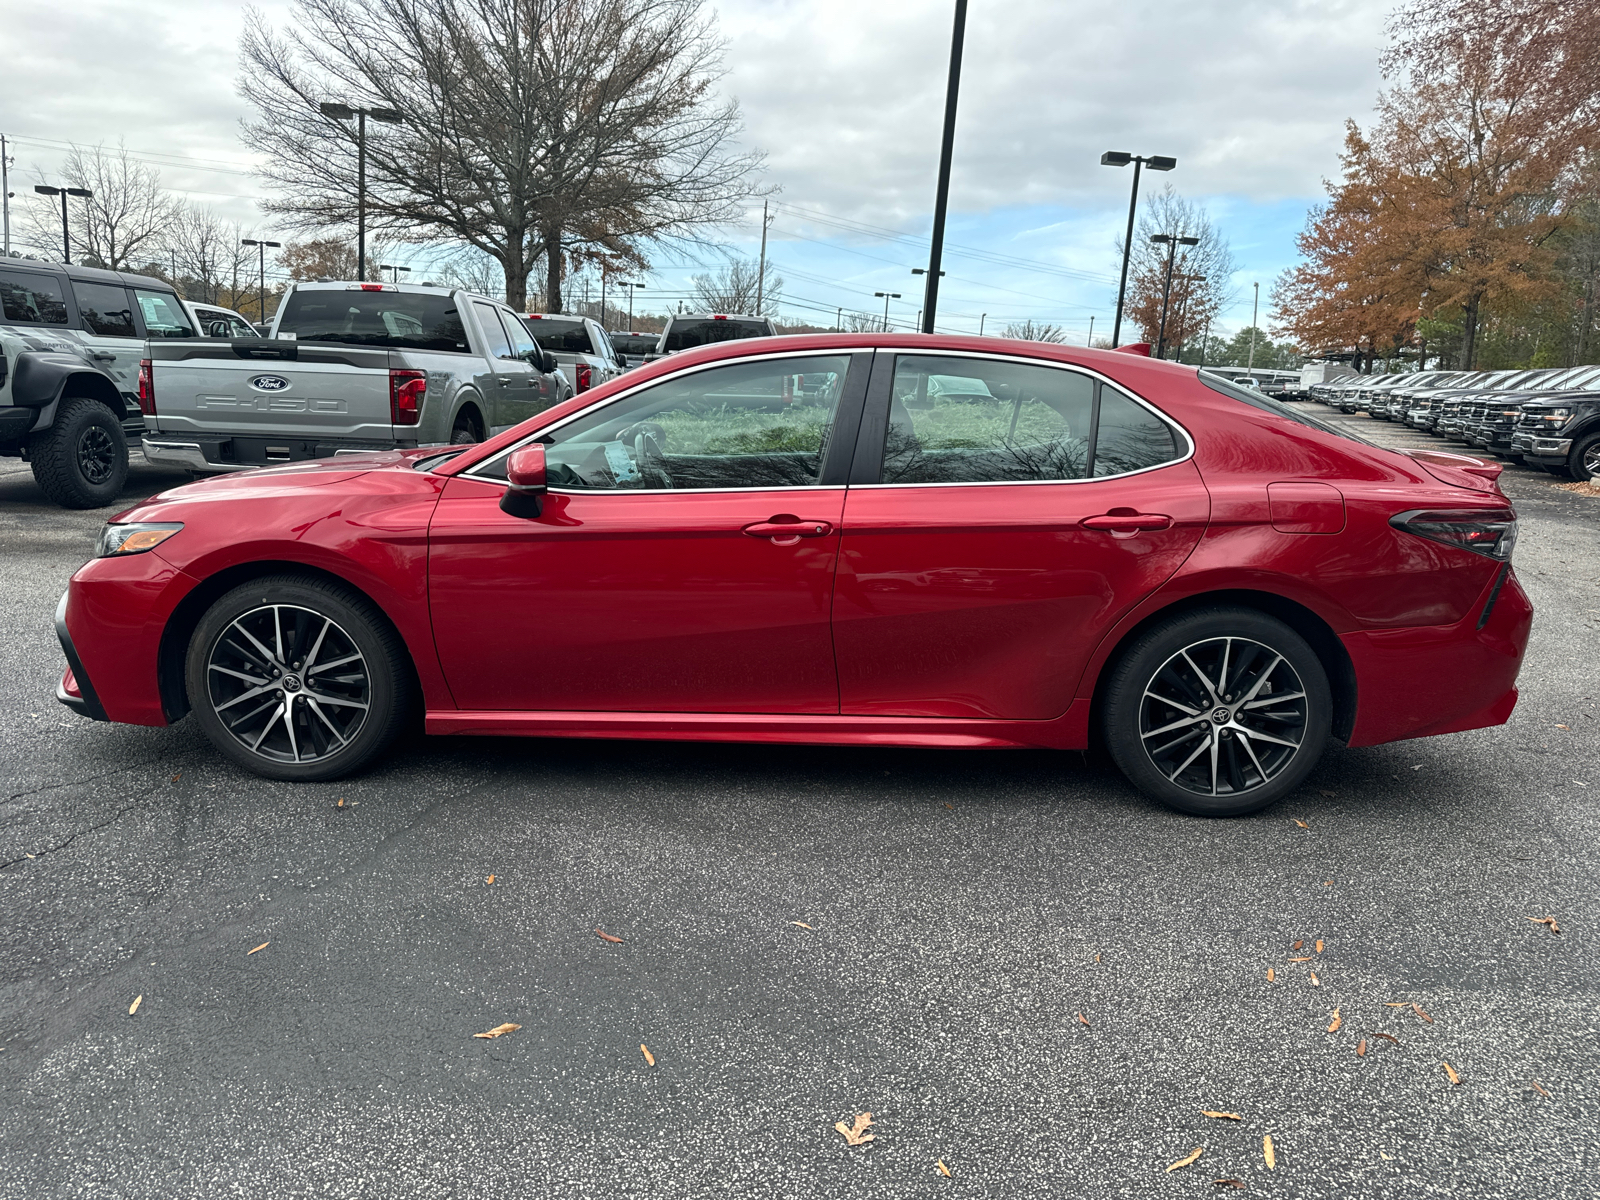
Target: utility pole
1091, 333
838, 319
632, 288
761, 271
1255, 308
982, 317
941, 201
5, 192
603, 300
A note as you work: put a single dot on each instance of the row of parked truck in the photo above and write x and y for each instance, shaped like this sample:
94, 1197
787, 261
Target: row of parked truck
1547, 417
94, 361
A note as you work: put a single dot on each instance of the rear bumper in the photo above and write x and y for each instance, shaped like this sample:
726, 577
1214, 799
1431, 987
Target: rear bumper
218, 454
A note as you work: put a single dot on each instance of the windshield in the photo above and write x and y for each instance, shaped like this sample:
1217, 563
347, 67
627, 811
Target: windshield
560, 335
1277, 408
685, 335
407, 320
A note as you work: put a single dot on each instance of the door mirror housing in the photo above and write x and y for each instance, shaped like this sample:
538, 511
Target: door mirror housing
525, 472
219, 329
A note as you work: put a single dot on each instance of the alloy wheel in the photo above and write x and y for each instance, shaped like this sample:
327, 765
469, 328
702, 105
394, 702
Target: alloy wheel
1223, 716
288, 683
97, 455
1591, 460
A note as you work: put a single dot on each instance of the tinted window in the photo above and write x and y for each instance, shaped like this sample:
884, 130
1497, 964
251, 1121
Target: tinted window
499, 346
522, 343
36, 299
409, 320
636, 344
969, 420
685, 335
561, 335
1129, 437
1276, 407
105, 309
762, 424
164, 316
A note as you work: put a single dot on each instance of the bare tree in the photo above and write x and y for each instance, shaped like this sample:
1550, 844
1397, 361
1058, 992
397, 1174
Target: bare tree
1030, 331
124, 220
735, 287
862, 322
1201, 274
573, 130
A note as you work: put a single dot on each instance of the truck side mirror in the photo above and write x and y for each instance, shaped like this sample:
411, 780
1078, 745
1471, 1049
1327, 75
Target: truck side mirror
525, 474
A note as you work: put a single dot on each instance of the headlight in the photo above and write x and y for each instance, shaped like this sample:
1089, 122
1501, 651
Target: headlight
135, 537
1557, 414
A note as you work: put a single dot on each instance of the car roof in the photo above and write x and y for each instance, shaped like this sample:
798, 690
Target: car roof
89, 274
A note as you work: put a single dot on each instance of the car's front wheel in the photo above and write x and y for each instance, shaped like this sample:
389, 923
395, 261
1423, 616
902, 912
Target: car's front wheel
81, 461
1218, 712
1585, 461
297, 678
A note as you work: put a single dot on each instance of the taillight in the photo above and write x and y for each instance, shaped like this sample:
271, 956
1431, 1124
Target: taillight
1491, 532
147, 388
585, 376
406, 389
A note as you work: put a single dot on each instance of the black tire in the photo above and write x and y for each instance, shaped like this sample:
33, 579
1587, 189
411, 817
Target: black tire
81, 461
337, 722
467, 430
1282, 739
1584, 462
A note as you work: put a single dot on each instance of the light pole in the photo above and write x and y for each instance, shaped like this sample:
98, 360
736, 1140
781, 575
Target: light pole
941, 201
924, 308
1255, 309
838, 319
1183, 310
395, 278
982, 317
1172, 242
261, 254
1117, 158
45, 189
887, 296
1091, 333
343, 112
632, 288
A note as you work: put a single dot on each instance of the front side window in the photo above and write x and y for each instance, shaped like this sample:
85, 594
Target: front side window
494, 334
163, 315
104, 308
32, 299
522, 343
744, 425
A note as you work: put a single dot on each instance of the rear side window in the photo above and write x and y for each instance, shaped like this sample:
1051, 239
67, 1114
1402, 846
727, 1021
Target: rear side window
163, 315
635, 344
403, 320
105, 309
561, 335
32, 299
1276, 407
685, 335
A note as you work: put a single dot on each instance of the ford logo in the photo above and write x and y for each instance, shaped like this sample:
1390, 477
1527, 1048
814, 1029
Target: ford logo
270, 383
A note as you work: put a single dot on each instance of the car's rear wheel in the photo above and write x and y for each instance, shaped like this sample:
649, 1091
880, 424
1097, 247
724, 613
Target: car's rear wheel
467, 430
297, 678
1218, 712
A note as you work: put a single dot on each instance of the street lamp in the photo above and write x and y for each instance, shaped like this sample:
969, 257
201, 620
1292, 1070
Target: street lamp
46, 190
395, 278
924, 271
261, 253
1172, 241
632, 288
343, 112
1116, 158
941, 201
887, 296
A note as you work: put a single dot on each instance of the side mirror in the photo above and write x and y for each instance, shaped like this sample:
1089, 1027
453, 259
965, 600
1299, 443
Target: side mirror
219, 329
550, 366
524, 497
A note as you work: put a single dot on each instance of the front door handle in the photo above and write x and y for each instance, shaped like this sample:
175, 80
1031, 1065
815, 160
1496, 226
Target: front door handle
1126, 522
786, 530
99, 356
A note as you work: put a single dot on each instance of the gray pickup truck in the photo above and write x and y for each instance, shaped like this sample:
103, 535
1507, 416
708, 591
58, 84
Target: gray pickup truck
349, 367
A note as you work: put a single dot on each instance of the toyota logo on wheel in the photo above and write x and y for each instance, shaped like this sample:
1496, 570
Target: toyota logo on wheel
270, 383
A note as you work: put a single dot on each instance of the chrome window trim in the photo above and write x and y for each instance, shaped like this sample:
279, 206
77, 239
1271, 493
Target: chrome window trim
849, 351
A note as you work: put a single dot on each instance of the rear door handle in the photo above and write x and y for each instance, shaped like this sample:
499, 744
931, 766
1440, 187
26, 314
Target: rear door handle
101, 357
1127, 522
785, 530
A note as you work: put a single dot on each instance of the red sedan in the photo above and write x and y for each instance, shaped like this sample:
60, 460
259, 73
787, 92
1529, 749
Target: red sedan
884, 540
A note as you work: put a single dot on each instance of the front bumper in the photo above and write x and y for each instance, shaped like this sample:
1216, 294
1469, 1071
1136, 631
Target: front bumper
1544, 447
75, 690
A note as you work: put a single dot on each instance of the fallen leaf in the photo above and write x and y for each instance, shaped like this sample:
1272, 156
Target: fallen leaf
1315, 982
1237, 1184
1184, 1162
1301, 823
1550, 921
1534, 1082
490, 879
263, 946
1083, 1020
498, 1030
1097, 958
1450, 1072
30, 856
856, 1135
1361, 1050
1385, 1157
601, 933
1326, 792
1302, 958
943, 1170
1388, 1037
1268, 1153
1271, 975
139, 999
1333, 1026
1327, 883
1397, 1004
802, 925
1422, 1014
951, 807
175, 780
341, 803
1298, 943
1319, 945
1226, 1116
649, 1059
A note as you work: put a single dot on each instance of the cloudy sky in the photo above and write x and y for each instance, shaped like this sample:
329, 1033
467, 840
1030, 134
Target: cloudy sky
846, 100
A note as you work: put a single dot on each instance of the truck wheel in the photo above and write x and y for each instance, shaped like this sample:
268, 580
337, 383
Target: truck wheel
297, 678
1219, 712
467, 430
1585, 460
81, 461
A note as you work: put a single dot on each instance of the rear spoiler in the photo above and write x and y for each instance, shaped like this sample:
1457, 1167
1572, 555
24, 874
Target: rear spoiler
1135, 348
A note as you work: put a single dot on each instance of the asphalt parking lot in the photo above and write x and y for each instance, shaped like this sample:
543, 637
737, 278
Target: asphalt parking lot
1017, 965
